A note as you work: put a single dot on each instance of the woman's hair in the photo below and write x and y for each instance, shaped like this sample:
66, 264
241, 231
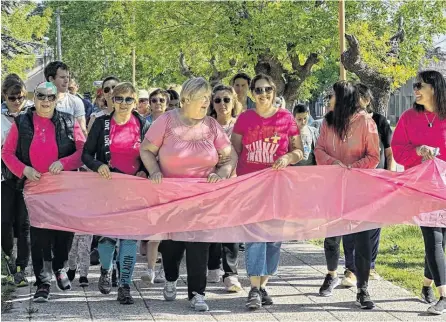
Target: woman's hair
365, 93
124, 87
232, 93
192, 87
300, 108
173, 95
13, 85
347, 103
106, 79
162, 92
438, 83
268, 78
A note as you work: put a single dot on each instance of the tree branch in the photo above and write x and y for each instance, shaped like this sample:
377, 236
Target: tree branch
184, 68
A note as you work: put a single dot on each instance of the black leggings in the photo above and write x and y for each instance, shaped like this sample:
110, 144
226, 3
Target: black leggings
363, 255
15, 221
434, 260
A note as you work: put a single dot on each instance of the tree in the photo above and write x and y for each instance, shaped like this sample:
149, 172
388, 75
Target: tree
23, 26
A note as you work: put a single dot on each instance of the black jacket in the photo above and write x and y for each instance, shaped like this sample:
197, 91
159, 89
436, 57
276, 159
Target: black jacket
64, 125
93, 155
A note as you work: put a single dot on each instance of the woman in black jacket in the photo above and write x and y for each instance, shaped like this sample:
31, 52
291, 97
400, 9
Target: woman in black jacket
113, 146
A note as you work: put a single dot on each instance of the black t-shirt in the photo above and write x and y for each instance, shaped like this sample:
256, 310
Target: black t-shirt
385, 137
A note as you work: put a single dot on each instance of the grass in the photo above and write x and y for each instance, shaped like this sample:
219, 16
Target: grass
400, 257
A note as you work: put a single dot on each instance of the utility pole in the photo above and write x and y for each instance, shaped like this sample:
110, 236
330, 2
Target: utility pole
133, 49
59, 36
342, 73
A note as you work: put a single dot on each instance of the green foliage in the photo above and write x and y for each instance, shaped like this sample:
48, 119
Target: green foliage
98, 37
25, 30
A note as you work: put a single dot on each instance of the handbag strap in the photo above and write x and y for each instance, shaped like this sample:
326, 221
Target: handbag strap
107, 140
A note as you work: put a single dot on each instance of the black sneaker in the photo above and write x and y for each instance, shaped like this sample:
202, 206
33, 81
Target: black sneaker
329, 284
104, 283
427, 294
124, 296
254, 301
241, 247
363, 300
20, 279
42, 294
71, 274
63, 283
83, 281
114, 278
439, 308
266, 299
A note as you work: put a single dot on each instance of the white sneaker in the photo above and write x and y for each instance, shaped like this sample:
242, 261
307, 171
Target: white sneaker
213, 276
232, 284
198, 303
160, 277
170, 291
149, 277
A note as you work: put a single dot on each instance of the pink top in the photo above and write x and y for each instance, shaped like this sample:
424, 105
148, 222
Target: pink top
43, 150
264, 139
187, 151
125, 140
360, 149
412, 131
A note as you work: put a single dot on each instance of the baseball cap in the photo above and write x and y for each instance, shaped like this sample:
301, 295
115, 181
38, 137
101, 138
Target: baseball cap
142, 93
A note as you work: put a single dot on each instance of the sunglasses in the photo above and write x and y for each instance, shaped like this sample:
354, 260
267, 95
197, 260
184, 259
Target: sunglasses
417, 86
224, 99
261, 90
16, 98
120, 100
42, 97
143, 100
108, 89
156, 100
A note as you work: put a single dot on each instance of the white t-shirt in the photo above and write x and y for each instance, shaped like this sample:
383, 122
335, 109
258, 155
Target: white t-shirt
71, 104
6, 126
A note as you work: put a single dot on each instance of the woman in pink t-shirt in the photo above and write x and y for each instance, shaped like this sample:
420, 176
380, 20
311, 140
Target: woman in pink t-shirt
188, 144
421, 135
113, 146
264, 137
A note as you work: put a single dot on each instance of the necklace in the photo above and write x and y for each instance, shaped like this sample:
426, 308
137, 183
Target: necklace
429, 123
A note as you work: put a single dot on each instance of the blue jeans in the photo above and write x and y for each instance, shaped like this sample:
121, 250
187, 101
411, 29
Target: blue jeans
262, 259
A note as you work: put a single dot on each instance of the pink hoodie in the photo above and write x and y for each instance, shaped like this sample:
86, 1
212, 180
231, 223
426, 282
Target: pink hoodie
360, 149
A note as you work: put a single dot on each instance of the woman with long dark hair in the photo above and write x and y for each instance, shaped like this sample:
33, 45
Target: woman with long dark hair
420, 135
348, 138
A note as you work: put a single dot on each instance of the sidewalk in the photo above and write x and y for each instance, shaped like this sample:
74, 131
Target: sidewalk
294, 290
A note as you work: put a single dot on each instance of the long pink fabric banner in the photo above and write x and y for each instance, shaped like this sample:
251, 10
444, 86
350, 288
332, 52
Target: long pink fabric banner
293, 204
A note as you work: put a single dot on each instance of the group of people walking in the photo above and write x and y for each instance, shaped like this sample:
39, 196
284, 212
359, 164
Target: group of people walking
203, 132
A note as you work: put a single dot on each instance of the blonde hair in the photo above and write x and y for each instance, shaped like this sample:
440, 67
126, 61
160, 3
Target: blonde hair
192, 87
125, 87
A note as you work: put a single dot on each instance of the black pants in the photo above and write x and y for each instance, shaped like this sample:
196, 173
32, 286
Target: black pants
15, 220
348, 241
226, 251
49, 252
434, 260
363, 255
197, 255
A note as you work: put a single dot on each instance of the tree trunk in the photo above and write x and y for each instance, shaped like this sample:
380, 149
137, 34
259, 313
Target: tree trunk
378, 84
287, 82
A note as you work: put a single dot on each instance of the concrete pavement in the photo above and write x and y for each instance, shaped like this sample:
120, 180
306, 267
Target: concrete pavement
294, 290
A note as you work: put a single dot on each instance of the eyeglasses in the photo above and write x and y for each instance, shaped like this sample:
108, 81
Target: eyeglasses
417, 86
108, 89
120, 100
16, 98
143, 100
225, 99
261, 90
156, 100
42, 97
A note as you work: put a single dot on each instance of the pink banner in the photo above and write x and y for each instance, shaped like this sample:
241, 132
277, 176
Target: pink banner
293, 204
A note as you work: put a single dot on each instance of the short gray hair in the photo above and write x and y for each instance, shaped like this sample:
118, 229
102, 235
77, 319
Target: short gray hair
193, 86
